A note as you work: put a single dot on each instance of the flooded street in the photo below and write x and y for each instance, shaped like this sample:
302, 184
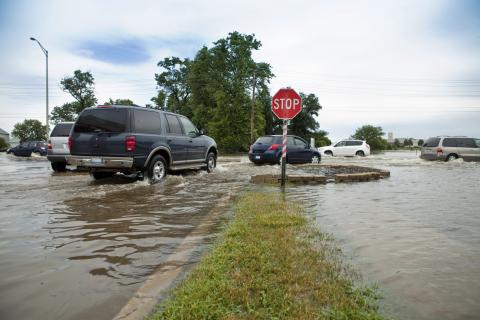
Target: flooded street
72, 248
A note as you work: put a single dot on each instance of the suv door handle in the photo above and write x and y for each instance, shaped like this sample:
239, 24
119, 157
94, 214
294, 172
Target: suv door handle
169, 140
190, 140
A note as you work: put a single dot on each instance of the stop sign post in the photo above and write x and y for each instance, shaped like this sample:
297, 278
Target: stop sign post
286, 104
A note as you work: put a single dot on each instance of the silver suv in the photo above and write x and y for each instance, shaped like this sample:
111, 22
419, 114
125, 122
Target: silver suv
450, 148
58, 146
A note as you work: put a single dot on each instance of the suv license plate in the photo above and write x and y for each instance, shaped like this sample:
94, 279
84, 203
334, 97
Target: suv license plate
96, 161
257, 157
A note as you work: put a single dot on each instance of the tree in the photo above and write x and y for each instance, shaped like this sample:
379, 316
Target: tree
81, 87
30, 130
373, 136
396, 143
158, 101
4, 145
408, 142
420, 142
321, 138
122, 102
221, 83
173, 86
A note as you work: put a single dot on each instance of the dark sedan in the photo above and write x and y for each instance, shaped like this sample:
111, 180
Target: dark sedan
25, 149
268, 149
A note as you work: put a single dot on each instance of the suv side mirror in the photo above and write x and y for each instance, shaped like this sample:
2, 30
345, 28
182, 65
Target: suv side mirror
201, 132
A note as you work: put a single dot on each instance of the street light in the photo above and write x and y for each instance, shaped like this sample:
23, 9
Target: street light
46, 89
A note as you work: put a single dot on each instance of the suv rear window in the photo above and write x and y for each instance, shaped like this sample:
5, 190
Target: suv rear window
61, 130
102, 120
432, 142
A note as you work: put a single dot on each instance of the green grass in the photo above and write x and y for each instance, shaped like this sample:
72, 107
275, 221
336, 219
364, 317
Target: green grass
271, 263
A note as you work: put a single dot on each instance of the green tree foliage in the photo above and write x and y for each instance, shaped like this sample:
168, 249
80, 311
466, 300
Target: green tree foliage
158, 101
408, 142
173, 86
373, 136
122, 102
4, 145
81, 88
396, 144
420, 142
30, 130
321, 138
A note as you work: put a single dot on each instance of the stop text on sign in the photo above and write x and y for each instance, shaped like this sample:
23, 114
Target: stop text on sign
286, 104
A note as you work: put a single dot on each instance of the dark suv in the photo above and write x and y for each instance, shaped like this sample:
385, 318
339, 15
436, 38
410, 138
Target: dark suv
148, 142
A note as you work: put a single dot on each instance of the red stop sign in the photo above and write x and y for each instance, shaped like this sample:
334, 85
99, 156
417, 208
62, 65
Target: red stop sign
286, 104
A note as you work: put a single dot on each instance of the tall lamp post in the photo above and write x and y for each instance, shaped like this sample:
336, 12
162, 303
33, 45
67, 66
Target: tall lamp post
46, 88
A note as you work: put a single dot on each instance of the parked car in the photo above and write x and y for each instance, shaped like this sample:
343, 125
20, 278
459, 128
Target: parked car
347, 147
451, 148
25, 149
58, 146
268, 149
132, 139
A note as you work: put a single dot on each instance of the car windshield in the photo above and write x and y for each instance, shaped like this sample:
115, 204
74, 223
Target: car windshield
102, 120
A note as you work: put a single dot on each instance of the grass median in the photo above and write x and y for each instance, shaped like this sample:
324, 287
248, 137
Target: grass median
271, 263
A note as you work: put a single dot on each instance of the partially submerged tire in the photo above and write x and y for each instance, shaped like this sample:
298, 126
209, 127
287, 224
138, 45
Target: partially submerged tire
157, 169
315, 158
59, 166
329, 153
211, 162
451, 157
360, 153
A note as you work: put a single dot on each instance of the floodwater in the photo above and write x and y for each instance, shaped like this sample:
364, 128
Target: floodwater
416, 234
72, 248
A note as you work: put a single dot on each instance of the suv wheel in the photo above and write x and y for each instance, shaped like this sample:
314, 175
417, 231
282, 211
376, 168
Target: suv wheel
315, 158
211, 162
451, 157
157, 169
59, 166
360, 153
329, 153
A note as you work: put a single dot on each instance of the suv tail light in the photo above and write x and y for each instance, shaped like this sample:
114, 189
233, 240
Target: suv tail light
70, 142
49, 146
274, 146
368, 146
130, 143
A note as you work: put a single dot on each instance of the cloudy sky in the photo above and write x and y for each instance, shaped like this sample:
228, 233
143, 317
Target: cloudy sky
410, 66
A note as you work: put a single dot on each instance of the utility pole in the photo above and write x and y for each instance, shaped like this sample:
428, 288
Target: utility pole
252, 112
45, 51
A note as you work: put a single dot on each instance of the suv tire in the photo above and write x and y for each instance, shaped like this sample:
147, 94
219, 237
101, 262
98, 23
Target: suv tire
329, 153
360, 153
211, 162
59, 166
451, 157
157, 169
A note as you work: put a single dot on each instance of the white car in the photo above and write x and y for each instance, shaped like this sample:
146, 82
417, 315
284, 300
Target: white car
348, 147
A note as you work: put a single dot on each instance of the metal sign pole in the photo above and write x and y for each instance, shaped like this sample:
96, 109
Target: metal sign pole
284, 152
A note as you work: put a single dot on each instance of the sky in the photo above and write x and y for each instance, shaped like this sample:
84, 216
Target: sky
411, 67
